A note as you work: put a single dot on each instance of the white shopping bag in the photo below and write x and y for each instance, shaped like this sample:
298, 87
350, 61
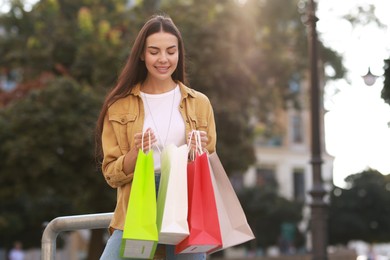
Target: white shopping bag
172, 199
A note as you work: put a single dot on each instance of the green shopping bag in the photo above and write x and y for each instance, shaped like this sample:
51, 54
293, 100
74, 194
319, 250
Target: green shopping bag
140, 234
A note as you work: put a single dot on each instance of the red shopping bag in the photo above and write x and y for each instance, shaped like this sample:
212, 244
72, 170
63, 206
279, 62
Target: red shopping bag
205, 234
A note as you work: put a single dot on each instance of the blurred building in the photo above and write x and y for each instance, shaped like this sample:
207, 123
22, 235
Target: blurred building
283, 157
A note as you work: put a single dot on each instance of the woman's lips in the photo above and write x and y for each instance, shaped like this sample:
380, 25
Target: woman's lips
162, 69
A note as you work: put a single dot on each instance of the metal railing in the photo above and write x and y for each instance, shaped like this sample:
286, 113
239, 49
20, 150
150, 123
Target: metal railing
70, 223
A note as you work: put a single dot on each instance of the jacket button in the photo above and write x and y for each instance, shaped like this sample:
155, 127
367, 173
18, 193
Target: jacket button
122, 120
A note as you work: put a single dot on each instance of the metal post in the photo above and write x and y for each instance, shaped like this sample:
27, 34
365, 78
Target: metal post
69, 223
318, 206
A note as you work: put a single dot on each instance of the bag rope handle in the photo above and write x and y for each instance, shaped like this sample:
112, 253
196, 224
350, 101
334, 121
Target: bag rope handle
198, 144
150, 145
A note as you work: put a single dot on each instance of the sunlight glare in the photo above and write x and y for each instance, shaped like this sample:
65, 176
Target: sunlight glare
241, 2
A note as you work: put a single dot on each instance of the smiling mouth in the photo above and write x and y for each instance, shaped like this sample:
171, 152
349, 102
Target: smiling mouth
162, 69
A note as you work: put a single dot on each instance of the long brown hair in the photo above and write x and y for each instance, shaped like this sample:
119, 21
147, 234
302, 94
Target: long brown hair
135, 71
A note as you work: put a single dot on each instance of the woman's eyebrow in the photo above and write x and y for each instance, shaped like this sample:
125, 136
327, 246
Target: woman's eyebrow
157, 48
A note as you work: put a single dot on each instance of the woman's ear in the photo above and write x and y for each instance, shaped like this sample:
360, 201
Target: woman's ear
142, 57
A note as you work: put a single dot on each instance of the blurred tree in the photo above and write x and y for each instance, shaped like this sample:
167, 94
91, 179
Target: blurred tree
47, 160
282, 57
151, 6
243, 57
386, 84
362, 210
266, 212
77, 38
360, 17
218, 47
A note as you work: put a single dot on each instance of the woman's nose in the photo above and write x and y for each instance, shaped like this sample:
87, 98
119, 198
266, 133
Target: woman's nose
163, 58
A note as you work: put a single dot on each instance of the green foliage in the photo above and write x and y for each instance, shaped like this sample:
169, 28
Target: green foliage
243, 57
218, 49
266, 211
363, 15
47, 160
66, 37
362, 211
386, 85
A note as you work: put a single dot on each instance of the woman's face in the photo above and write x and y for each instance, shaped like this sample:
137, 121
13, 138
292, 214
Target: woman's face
161, 55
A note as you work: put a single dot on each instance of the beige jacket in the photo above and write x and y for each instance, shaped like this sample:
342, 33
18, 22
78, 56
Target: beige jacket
124, 118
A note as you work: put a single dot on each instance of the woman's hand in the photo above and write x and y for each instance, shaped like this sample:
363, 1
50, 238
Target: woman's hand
146, 144
192, 141
131, 157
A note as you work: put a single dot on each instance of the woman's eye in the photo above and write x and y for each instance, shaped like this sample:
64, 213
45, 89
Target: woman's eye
154, 53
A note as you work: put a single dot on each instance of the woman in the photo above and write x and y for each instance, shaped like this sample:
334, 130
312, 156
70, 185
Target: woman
150, 97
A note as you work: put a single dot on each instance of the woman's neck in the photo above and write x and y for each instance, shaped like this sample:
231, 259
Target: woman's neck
151, 86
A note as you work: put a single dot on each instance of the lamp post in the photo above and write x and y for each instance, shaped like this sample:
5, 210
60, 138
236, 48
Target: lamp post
318, 206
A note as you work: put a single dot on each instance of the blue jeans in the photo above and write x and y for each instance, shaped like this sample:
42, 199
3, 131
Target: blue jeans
111, 251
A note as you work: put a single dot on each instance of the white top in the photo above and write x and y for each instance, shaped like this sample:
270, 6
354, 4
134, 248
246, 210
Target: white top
168, 130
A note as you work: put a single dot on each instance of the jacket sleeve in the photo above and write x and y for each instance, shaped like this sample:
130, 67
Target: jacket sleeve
211, 130
112, 166
206, 121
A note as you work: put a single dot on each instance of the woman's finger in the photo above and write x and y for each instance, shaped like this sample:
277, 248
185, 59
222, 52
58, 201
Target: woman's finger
203, 139
137, 140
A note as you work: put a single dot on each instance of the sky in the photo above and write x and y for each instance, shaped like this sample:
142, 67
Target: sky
357, 120
357, 124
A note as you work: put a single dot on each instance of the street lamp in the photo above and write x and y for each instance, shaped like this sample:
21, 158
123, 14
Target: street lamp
369, 78
318, 206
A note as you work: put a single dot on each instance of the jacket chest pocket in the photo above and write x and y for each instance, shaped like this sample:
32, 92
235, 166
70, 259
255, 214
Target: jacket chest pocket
198, 123
123, 127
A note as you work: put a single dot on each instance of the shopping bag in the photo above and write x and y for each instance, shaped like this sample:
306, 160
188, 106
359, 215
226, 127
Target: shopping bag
234, 227
140, 234
205, 234
172, 199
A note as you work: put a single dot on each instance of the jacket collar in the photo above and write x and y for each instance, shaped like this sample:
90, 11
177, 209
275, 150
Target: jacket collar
185, 91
